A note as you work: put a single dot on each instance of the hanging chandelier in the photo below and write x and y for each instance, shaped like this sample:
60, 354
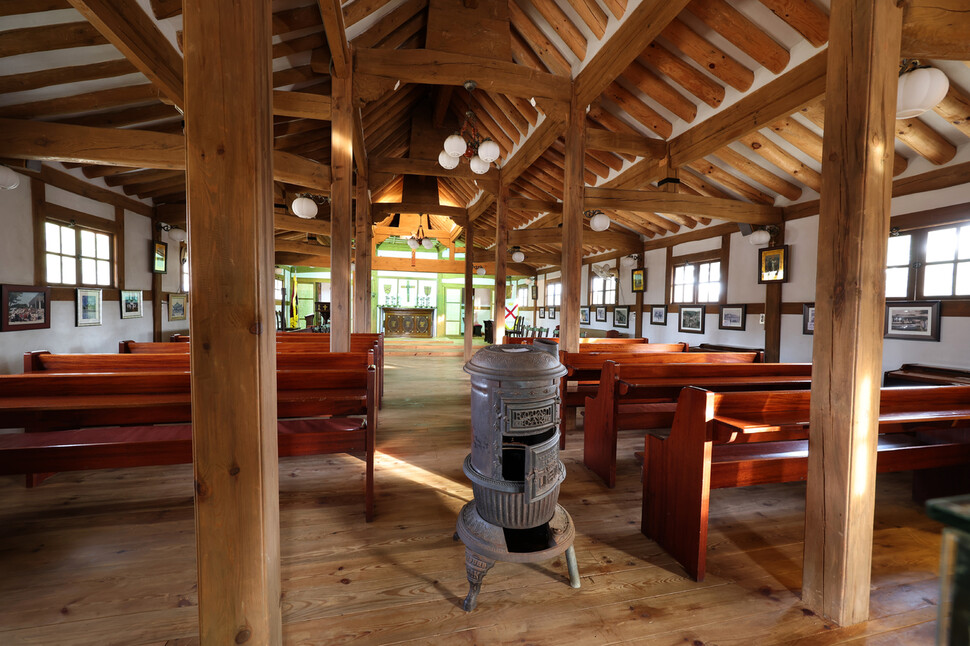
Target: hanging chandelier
468, 142
419, 238
920, 88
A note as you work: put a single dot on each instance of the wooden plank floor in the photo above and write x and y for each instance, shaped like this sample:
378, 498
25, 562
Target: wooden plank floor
107, 557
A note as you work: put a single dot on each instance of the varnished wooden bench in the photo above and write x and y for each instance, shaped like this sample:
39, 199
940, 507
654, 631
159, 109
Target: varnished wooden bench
643, 396
64, 414
583, 371
588, 341
737, 439
916, 374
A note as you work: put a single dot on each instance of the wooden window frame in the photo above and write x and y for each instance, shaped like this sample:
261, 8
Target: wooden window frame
919, 232
721, 255
78, 228
590, 291
545, 296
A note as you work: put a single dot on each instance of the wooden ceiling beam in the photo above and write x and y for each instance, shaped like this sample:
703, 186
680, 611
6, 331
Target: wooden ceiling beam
333, 25
293, 223
804, 16
537, 206
720, 176
759, 174
731, 210
955, 108
641, 27
141, 177
136, 36
533, 147
563, 26
927, 142
28, 40
709, 57
635, 144
741, 32
936, 29
636, 108
124, 117
688, 77
390, 23
769, 150
57, 76
303, 105
85, 102
443, 68
814, 111
659, 90
380, 210
18, 7
427, 168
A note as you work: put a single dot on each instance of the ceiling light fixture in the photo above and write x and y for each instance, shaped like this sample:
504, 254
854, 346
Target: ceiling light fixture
419, 239
598, 221
305, 205
920, 88
9, 180
761, 237
480, 270
468, 142
517, 255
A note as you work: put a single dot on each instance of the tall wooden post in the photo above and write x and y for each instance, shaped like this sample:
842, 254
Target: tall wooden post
638, 326
773, 311
233, 355
364, 241
572, 227
469, 290
341, 217
850, 294
501, 255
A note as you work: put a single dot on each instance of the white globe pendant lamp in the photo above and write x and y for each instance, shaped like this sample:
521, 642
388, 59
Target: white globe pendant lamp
428, 243
599, 222
9, 180
478, 165
480, 271
413, 243
920, 90
304, 207
518, 256
489, 151
446, 161
455, 145
178, 235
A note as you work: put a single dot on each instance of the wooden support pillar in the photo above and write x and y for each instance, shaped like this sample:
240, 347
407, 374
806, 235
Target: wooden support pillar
638, 326
501, 255
363, 243
572, 227
341, 220
772, 309
469, 291
233, 355
860, 99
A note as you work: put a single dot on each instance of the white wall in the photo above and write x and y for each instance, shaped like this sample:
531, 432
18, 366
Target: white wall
17, 267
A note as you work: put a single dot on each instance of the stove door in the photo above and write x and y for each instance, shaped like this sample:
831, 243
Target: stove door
543, 470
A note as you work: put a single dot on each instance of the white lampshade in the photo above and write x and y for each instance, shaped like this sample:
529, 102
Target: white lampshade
304, 207
478, 165
428, 243
518, 256
455, 145
759, 237
489, 151
599, 222
413, 243
446, 161
920, 90
628, 261
480, 271
8, 179
178, 235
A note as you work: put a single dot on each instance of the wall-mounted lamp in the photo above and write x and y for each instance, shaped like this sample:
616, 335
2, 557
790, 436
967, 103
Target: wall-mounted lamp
9, 180
175, 233
919, 89
598, 221
305, 205
480, 270
630, 261
517, 255
761, 237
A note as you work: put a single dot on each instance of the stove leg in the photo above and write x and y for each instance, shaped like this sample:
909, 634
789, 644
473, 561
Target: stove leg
476, 566
572, 567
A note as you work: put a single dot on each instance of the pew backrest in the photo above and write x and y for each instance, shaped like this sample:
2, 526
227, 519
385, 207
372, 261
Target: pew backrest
44, 361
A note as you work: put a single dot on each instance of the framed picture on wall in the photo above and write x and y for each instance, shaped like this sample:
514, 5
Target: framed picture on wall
601, 314
88, 306
176, 306
25, 307
542, 312
732, 317
535, 292
621, 316
584, 315
131, 304
913, 320
639, 279
551, 312
159, 258
808, 318
691, 319
658, 315
773, 265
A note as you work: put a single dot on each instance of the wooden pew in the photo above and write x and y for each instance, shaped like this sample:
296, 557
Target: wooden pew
916, 374
582, 342
583, 371
643, 396
44, 361
149, 414
737, 439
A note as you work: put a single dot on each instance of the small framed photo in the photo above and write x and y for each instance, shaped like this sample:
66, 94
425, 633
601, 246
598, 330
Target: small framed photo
639, 279
808, 318
176, 306
88, 306
733, 317
535, 292
658, 315
773, 265
691, 319
551, 312
584, 315
913, 320
542, 312
621, 316
131, 304
160, 258
601, 314
25, 307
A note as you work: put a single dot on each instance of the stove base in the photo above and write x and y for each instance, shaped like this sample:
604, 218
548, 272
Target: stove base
486, 543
